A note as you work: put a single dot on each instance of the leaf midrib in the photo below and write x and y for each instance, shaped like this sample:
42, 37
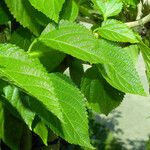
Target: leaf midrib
62, 42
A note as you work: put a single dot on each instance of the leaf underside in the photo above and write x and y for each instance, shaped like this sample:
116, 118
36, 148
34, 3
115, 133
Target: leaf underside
102, 98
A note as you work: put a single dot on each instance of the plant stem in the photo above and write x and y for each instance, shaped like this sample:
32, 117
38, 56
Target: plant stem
29, 49
139, 22
139, 13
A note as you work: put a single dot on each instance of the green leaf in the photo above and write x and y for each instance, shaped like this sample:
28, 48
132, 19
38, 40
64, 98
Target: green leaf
120, 72
4, 14
22, 38
146, 55
13, 96
11, 129
133, 52
26, 14
40, 129
28, 74
108, 8
102, 98
49, 57
116, 31
51, 8
75, 126
70, 10
74, 129
75, 40
53, 93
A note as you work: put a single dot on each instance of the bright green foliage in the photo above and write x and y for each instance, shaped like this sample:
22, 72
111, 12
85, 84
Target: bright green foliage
73, 39
45, 39
51, 91
49, 57
70, 11
146, 55
28, 74
133, 51
25, 14
75, 126
51, 8
116, 31
102, 98
120, 72
108, 8
12, 96
40, 129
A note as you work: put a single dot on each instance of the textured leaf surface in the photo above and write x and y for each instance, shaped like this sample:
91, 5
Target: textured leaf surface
29, 75
25, 14
40, 129
49, 57
102, 98
74, 127
133, 52
70, 10
75, 40
120, 72
51, 8
108, 8
53, 93
146, 55
13, 97
117, 31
